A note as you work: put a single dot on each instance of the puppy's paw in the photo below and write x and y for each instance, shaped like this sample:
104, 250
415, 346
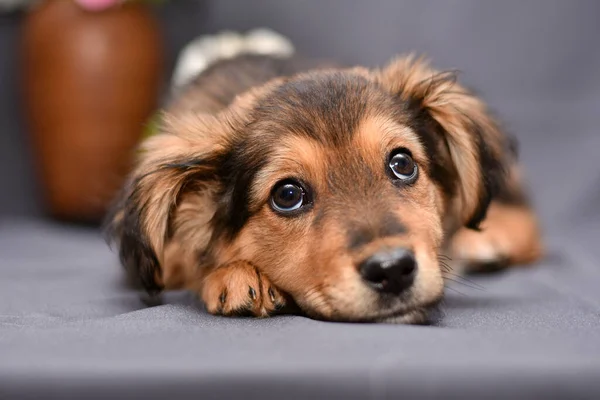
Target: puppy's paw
239, 289
509, 236
479, 251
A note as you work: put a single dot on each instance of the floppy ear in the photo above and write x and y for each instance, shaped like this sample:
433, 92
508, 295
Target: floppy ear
184, 157
477, 149
176, 190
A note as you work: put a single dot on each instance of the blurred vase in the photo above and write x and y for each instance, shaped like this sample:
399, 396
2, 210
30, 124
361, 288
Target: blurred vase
91, 80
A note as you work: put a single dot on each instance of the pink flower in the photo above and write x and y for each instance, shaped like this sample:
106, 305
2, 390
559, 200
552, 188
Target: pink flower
97, 5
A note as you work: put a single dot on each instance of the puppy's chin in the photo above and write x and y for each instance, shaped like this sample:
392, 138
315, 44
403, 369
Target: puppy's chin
429, 314
417, 314
414, 317
398, 311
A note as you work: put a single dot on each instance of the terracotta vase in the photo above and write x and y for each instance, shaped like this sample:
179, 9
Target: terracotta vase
91, 80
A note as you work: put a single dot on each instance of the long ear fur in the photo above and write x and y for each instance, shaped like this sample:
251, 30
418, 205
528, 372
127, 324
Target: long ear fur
172, 194
478, 149
184, 157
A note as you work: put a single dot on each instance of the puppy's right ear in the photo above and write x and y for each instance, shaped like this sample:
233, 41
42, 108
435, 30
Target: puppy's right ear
460, 123
186, 154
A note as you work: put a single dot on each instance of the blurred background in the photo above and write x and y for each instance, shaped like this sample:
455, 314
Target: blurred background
78, 83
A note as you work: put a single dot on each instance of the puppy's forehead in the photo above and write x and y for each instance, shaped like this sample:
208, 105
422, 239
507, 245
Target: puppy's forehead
324, 106
306, 158
379, 133
317, 123
331, 108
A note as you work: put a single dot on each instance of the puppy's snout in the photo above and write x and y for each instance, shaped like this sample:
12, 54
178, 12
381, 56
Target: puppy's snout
391, 271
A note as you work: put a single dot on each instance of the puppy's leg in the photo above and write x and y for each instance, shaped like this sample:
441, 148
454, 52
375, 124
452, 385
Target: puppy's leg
509, 236
240, 289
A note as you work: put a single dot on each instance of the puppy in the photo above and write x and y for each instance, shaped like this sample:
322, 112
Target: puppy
341, 191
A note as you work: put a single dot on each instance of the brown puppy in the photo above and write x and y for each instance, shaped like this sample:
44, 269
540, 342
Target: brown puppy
336, 189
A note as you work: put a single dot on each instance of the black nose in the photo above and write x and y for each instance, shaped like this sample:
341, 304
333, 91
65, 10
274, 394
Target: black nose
391, 271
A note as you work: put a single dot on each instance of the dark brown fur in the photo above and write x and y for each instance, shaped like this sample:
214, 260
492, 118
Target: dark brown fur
196, 213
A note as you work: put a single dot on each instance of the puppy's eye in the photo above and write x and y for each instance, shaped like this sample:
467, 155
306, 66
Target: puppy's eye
402, 166
288, 196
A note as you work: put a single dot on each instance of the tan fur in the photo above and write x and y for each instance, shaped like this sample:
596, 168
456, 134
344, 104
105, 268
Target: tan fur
239, 288
190, 224
320, 274
307, 259
455, 109
508, 235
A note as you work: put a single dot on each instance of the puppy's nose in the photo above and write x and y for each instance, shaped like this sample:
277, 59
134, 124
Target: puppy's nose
392, 271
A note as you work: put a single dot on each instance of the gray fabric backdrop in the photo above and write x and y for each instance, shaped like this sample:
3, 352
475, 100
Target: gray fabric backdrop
69, 325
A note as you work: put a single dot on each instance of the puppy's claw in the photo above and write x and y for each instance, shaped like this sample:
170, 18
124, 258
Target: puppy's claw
239, 289
271, 295
252, 293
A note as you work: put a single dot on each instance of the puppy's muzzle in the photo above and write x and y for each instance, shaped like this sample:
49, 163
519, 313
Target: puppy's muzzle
390, 271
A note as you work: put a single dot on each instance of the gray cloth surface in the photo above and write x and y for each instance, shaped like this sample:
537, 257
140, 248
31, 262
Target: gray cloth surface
70, 327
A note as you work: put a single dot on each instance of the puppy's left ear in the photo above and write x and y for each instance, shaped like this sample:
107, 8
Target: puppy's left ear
183, 158
478, 152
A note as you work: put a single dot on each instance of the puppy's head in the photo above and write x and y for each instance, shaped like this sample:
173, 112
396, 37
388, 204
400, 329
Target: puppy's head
339, 185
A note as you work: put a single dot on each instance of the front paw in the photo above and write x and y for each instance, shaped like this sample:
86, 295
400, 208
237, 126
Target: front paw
240, 289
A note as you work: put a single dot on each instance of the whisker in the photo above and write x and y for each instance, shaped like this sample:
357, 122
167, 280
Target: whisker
462, 278
465, 284
445, 267
455, 290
